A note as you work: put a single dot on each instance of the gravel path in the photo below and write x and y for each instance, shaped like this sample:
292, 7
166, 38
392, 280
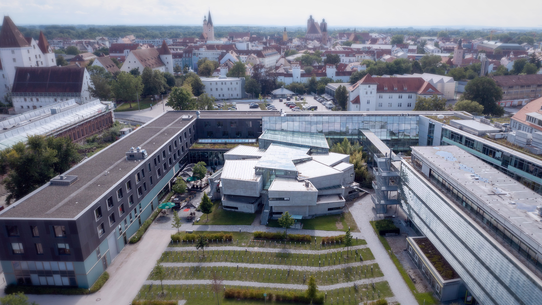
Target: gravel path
264, 266
270, 250
267, 285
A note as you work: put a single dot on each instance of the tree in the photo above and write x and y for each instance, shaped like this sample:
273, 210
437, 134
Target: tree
356, 76
348, 240
485, 91
312, 288
397, 39
469, 106
176, 223
308, 69
290, 53
61, 61
118, 63
135, 72
160, 273
177, 69
201, 243
181, 98
101, 51
72, 50
200, 170
443, 34
286, 221
205, 102
529, 68
101, 83
170, 79
355, 151
332, 59
192, 79
457, 73
310, 59
321, 88
238, 70
533, 58
29, 165
348, 43
16, 299
341, 95
207, 67
298, 88
127, 87
179, 187
252, 86
154, 82
311, 86
416, 67
518, 66
206, 206
433, 103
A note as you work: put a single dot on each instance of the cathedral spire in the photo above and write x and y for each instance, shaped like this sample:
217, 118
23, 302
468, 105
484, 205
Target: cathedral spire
209, 20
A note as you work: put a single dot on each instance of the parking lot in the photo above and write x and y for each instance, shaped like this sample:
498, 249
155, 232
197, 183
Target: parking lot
242, 106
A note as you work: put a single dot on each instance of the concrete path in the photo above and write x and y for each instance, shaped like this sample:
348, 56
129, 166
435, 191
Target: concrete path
266, 266
145, 115
268, 285
266, 250
363, 213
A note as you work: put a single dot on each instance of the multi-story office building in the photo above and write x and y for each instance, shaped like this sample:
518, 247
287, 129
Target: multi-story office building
68, 231
482, 222
519, 89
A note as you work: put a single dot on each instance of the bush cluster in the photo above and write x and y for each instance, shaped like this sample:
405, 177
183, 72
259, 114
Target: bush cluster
137, 236
299, 297
179, 237
332, 239
282, 236
154, 302
58, 289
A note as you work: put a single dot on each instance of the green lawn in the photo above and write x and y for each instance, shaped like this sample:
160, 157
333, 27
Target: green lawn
222, 217
143, 104
203, 294
326, 223
282, 276
273, 258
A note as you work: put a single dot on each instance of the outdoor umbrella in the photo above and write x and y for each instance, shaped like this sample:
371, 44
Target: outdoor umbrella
166, 205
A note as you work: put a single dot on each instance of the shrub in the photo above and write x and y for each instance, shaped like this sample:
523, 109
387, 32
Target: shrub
179, 237
282, 236
154, 302
298, 297
99, 282
385, 226
137, 236
333, 239
58, 290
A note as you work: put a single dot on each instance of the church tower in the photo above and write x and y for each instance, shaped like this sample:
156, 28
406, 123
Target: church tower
208, 28
166, 57
458, 54
284, 35
323, 29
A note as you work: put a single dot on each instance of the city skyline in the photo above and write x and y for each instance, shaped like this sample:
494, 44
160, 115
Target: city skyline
461, 13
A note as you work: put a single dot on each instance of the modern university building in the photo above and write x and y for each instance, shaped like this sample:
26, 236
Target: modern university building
68, 231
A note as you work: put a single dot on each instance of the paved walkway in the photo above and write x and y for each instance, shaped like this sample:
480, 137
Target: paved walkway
268, 285
267, 250
363, 213
269, 266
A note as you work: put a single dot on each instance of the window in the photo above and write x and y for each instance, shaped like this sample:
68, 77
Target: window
164, 154
129, 185
112, 219
119, 194
12, 230
410, 96
165, 167
400, 105
109, 202
139, 192
149, 166
121, 210
131, 200
389, 104
159, 172
138, 177
35, 231
409, 105
400, 96
98, 213
143, 173
101, 230
39, 249
379, 104
151, 180
64, 249
17, 248
98, 253
368, 102
60, 231
144, 186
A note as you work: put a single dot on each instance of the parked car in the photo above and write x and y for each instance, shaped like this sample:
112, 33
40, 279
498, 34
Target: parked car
288, 98
280, 100
313, 108
254, 105
292, 106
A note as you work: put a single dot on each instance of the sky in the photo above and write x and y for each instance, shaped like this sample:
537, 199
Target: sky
344, 13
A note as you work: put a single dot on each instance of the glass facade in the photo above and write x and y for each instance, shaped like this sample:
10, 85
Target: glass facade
490, 273
44, 273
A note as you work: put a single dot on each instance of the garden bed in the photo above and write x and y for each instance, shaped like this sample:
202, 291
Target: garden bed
436, 259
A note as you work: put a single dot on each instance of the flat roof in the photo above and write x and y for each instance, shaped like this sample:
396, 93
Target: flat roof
476, 125
240, 170
330, 159
98, 174
498, 194
290, 184
245, 151
310, 139
283, 157
312, 169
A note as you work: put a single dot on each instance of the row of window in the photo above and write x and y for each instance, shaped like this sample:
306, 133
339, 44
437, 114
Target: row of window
380, 96
63, 248
44, 273
223, 83
391, 104
222, 89
13, 231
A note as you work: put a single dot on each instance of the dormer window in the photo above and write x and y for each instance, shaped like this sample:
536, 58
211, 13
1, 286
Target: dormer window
385, 88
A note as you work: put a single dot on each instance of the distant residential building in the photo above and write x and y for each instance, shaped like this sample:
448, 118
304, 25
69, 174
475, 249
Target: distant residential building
528, 118
18, 51
159, 59
388, 93
106, 63
431, 49
519, 89
155, 42
83, 59
223, 87
36, 87
120, 51
444, 84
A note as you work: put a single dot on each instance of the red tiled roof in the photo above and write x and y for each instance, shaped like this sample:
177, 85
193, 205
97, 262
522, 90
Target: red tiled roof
399, 85
43, 43
521, 115
355, 100
164, 50
148, 58
109, 65
48, 79
428, 89
368, 79
117, 48
10, 36
518, 80
238, 35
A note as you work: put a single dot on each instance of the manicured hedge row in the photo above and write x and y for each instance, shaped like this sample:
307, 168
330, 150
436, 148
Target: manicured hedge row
333, 239
155, 302
58, 289
178, 237
282, 236
254, 294
386, 226
137, 236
